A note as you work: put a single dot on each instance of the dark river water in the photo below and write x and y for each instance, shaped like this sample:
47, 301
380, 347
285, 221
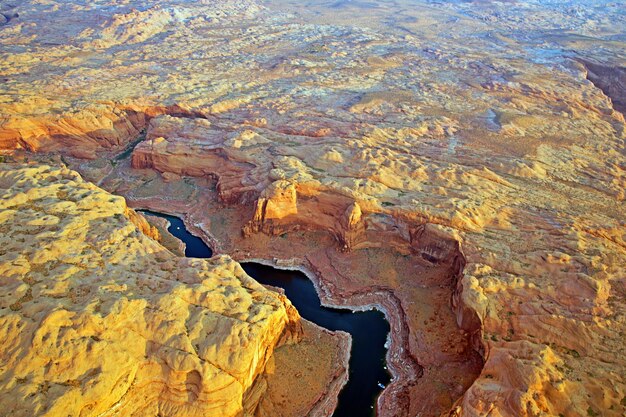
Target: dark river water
369, 329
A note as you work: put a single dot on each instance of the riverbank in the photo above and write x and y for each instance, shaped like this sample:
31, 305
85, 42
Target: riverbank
303, 378
446, 360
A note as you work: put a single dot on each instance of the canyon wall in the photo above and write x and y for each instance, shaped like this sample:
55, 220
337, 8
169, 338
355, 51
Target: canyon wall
102, 320
454, 162
525, 254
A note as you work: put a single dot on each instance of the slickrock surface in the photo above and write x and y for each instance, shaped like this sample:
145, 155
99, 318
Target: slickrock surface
97, 319
291, 384
456, 163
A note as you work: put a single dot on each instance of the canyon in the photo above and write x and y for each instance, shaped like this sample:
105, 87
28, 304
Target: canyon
459, 166
95, 330
368, 330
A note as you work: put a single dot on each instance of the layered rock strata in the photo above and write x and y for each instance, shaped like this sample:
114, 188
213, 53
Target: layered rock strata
99, 319
487, 167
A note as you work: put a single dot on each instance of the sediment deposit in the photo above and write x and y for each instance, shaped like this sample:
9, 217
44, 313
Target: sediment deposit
460, 164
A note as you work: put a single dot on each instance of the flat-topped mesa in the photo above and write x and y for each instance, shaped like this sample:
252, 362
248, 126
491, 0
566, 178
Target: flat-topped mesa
434, 245
353, 227
281, 208
191, 146
105, 321
277, 201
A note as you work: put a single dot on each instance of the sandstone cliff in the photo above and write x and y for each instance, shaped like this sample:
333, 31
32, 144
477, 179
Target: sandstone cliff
98, 319
470, 166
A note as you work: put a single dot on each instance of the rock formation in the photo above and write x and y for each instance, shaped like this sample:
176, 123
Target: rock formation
611, 80
459, 164
99, 319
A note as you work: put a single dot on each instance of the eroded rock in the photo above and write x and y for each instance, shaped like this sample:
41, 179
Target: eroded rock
487, 169
104, 321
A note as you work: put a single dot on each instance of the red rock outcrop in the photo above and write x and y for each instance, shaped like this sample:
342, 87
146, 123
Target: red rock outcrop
142, 224
488, 171
105, 321
81, 134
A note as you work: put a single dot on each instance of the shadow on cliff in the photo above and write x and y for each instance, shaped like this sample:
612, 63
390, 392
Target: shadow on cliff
86, 135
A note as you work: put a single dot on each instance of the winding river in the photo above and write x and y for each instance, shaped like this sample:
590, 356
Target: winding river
368, 373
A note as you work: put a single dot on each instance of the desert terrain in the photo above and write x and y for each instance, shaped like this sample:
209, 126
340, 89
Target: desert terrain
458, 165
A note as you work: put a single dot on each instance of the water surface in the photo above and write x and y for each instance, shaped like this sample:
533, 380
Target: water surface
369, 329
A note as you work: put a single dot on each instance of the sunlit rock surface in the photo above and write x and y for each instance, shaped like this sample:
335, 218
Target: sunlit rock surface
99, 319
480, 142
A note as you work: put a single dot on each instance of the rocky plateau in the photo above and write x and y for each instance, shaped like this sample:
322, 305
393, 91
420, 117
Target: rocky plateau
99, 319
459, 165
